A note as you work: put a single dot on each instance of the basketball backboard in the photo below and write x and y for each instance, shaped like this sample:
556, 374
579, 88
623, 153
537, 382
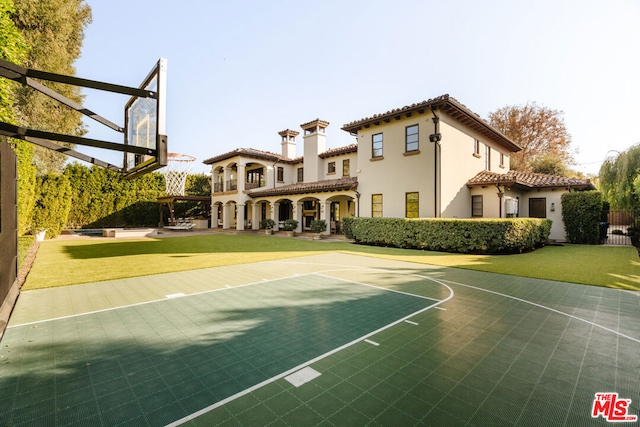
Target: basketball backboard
145, 124
145, 139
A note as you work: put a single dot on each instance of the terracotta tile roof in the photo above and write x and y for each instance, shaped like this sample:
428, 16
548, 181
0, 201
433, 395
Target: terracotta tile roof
351, 148
251, 153
449, 105
528, 180
349, 183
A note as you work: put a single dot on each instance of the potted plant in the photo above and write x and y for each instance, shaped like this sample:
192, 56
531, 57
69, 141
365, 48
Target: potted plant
268, 225
290, 226
318, 226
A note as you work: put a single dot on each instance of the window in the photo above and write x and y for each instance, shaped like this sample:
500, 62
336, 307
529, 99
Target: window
411, 138
332, 167
501, 160
300, 174
476, 148
412, 205
345, 168
538, 207
476, 207
376, 205
487, 158
376, 145
280, 174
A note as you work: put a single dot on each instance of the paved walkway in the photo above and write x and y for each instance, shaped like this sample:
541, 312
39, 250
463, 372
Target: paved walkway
328, 339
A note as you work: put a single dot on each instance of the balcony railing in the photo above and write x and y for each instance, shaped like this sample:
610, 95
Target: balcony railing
232, 184
218, 187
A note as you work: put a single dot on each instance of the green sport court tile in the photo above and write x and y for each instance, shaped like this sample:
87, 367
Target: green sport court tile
309, 315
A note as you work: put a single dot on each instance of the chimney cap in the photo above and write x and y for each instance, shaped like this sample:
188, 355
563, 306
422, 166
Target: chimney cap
288, 132
314, 123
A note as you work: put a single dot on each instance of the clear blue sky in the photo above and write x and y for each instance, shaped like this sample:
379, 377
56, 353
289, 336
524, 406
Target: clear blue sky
240, 71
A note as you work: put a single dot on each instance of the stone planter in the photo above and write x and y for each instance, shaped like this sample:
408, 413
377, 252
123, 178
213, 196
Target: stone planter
290, 233
268, 232
40, 235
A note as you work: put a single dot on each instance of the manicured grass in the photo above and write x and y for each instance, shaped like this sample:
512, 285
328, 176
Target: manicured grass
64, 262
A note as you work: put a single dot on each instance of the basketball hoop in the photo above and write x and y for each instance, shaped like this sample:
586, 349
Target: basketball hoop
175, 173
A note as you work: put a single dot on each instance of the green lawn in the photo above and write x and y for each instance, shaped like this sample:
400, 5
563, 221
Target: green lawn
65, 262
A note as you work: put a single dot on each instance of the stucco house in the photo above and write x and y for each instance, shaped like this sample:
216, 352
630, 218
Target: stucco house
435, 158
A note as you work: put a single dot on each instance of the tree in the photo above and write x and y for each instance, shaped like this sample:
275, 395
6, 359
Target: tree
541, 133
619, 179
54, 31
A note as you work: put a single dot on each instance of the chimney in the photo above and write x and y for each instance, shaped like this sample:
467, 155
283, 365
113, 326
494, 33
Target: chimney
288, 143
315, 142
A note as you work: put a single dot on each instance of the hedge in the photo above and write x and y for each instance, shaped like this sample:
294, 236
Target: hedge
581, 214
481, 236
53, 203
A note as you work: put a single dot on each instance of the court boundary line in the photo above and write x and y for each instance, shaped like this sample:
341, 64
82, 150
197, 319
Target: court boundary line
157, 300
275, 378
589, 322
374, 286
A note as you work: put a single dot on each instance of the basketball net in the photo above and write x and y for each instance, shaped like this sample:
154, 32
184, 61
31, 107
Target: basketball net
175, 173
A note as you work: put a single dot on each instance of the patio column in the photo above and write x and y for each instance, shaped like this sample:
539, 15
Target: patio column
255, 216
297, 215
214, 216
275, 215
240, 216
226, 220
242, 179
325, 213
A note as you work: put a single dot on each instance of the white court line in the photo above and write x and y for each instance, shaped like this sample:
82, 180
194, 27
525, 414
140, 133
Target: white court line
412, 323
309, 362
546, 308
372, 342
178, 295
175, 296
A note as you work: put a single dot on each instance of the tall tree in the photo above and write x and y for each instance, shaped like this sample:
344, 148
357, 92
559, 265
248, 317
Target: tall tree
620, 179
540, 131
54, 30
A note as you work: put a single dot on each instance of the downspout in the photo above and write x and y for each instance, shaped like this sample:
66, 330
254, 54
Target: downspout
435, 138
500, 194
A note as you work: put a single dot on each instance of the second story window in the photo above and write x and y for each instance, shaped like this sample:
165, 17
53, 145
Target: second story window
280, 176
476, 148
345, 168
300, 174
331, 167
376, 145
487, 158
411, 138
501, 160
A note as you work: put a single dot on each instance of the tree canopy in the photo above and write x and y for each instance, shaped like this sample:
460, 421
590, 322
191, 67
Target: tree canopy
542, 134
54, 31
620, 179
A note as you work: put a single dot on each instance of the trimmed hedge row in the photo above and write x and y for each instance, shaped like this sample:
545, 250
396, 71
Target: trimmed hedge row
481, 236
581, 214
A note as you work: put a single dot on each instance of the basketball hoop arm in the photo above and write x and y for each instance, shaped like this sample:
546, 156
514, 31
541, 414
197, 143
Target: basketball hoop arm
26, 76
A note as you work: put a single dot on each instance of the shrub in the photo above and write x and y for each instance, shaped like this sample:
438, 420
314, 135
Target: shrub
290, 224
581, 214
512, 235
267, 224
318, 225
